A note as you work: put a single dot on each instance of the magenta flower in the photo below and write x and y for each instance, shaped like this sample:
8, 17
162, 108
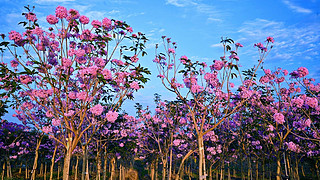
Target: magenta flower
238, 45
56, 122
279, 118
51, 19
14, 63
134, 58
47, 129
270, 39
303, 71
134, 85
96, 23
312, 102
106, 23
84, 20
112, 116
97, 109
61, 12
218, 65
25, 79
31, 17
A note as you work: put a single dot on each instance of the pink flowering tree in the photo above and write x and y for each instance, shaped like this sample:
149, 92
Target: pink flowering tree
67, 70
206, 91
287, 116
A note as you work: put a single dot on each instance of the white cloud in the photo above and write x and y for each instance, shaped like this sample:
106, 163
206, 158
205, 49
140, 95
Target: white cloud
296, 8
48, 1
295, 42
180, 3
202, 8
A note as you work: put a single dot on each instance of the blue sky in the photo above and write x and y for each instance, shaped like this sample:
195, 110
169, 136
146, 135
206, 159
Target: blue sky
198, 25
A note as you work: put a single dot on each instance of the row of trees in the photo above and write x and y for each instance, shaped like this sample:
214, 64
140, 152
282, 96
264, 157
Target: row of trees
67, 84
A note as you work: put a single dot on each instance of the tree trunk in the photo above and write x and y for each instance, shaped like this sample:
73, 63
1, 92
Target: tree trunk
52, 161
9, 172
84, 162
202, 163
164, 167
152, 171
26, 174
59, 170
87, 170
98, 165
278, 177
229, 174
257, 170
105, 164
3, 168
45, 171
113, 168
35, 162
76, 169
20, 168
222, 170
41, 169
66, 164
263, 168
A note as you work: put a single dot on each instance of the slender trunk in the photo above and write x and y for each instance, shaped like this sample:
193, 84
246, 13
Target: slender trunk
35, 162
20, 168
113, 168
98, 165
182, 163
257, 170
156, 169
210, 173
229, 174
26, 174
241, 168
302, 170
202, 163
84, 162
105, 164
45, 171
170, 157
87, 170
59, 170
66, 164
278, 177
41, 169
3, 168
9, 173
297, 177
52, 160
249, 169
222, 170
152, 171
76, 169
164, 167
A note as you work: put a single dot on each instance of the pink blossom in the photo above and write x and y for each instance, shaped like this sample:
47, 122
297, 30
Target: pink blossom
51, 19
107, 74
82, 95
134, 85
239, 45
270, 128
176, 142
49, 114
56, 122
303, 71
129, 29
298, 102
31, 16
14, 63
134, 58
61, 12
218, 65
47, 129
80, 52
84, 20
15, 36
66, 62
106, 23
96, 23
293, 147
69, 113
267, 71
25, 79
270, 39
279, 118
73, 14
312, 102
97, 109
112, 116
285, 72
183, 59
121, 144
171, 50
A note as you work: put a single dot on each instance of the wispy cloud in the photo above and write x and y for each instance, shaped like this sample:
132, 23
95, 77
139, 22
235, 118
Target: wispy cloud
53, 1
296, 8
294, 42
213, 15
